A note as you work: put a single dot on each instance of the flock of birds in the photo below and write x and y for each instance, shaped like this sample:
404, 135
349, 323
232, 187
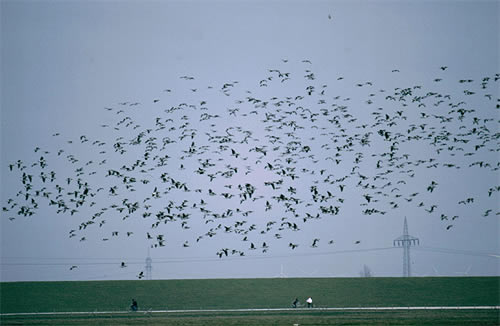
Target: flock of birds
261, 164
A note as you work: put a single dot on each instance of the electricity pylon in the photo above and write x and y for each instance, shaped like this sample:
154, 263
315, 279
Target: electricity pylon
149, 267
406, 241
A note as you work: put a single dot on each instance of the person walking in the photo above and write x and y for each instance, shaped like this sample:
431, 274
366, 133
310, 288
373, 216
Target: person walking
309, 302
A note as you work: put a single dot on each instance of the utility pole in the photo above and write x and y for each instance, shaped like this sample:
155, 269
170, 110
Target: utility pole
406, 241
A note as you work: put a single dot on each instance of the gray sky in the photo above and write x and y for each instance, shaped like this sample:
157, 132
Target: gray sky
63, 63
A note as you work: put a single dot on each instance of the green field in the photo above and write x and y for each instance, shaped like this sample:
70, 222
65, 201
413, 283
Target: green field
93, 296
248, 293
407, 318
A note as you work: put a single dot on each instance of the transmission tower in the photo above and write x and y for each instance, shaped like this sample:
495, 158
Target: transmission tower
282, 273
149, 267
406, 241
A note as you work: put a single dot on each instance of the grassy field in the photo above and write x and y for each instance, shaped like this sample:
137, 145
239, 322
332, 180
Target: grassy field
93, 296
248, 293
366, 318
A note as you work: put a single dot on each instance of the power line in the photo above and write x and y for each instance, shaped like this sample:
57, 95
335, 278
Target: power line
117, 261
180, 259
459, 252
66, 258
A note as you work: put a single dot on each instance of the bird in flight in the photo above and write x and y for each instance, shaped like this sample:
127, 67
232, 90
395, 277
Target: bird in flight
269, 162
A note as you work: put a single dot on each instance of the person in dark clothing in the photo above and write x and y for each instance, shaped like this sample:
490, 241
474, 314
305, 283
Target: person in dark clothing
295, 303
134, 306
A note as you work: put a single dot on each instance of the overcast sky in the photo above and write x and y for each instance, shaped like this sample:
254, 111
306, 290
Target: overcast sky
82, 80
